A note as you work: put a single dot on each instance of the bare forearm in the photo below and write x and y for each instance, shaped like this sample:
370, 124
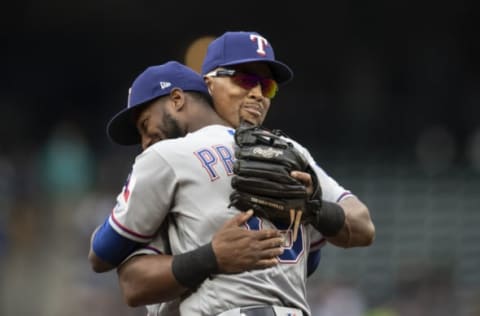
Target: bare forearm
97, 264
148, 279
358, 230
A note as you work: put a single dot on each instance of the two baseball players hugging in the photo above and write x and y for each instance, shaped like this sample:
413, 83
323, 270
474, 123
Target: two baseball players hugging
219, 215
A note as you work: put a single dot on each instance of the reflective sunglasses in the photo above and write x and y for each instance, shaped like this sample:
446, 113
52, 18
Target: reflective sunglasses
248, 81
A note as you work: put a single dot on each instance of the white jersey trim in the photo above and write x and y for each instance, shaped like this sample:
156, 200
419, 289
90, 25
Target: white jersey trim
126, 232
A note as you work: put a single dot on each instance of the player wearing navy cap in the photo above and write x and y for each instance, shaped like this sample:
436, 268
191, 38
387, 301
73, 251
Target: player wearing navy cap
231, 85
235, 48
147, 120
154, 82
168, 101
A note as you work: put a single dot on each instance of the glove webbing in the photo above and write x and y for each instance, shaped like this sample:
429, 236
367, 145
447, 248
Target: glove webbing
295, 219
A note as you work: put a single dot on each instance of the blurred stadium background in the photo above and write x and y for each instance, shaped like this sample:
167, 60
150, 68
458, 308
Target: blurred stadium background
386, 95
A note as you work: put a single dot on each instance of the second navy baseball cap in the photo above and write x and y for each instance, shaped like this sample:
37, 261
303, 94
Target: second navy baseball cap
233, 48
154, 82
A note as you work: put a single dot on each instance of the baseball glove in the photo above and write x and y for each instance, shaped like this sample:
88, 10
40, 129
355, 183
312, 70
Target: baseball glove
262, 179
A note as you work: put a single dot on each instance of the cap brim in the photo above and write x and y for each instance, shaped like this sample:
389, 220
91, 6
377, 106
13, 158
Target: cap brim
281, 72
122, 130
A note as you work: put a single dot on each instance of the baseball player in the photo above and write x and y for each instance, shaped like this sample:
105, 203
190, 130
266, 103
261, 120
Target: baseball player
292, 260
248, 53
164, 80
185, 183
234, 93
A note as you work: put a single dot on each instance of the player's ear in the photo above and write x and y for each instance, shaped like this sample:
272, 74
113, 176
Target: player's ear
177, 96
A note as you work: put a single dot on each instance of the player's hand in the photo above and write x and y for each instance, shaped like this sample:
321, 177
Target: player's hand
305, 178
238, 249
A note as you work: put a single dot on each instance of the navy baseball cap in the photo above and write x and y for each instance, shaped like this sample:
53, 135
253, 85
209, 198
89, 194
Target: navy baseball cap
233, 48
154, 82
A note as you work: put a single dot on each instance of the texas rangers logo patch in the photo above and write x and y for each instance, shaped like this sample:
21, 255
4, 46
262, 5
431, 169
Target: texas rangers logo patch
128, 187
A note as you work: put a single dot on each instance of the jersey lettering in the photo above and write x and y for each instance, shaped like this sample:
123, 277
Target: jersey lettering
293, 251
226, 157
210, 157
208, 161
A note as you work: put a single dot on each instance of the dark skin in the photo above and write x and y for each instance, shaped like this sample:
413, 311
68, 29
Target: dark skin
234, 103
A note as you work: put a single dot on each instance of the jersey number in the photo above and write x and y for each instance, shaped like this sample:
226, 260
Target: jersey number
293, 251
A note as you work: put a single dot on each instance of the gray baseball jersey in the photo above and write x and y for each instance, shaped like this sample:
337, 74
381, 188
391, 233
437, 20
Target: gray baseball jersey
183, 185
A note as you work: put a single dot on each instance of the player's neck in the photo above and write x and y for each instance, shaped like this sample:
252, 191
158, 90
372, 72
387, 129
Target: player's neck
206, 119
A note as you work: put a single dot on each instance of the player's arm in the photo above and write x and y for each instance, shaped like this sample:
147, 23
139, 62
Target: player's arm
148, 279
348, 222
138, 214
358, 229
98, 265
108, 248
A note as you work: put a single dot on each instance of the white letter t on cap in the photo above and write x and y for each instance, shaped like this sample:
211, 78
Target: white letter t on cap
261, 43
